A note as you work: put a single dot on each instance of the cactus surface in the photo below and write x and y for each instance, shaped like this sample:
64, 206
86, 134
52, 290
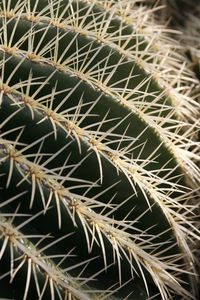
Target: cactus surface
98, 154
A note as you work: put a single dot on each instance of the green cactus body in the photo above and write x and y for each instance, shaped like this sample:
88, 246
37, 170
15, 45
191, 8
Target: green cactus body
98, 154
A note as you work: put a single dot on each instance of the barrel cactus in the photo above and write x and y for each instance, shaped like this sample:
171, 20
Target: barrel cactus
99, 155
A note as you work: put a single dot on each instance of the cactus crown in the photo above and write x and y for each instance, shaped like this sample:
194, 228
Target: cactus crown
98, 152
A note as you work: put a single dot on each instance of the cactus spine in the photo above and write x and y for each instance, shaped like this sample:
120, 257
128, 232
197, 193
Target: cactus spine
98, 153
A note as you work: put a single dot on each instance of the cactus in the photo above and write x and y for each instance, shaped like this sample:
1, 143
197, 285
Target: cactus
98, 154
